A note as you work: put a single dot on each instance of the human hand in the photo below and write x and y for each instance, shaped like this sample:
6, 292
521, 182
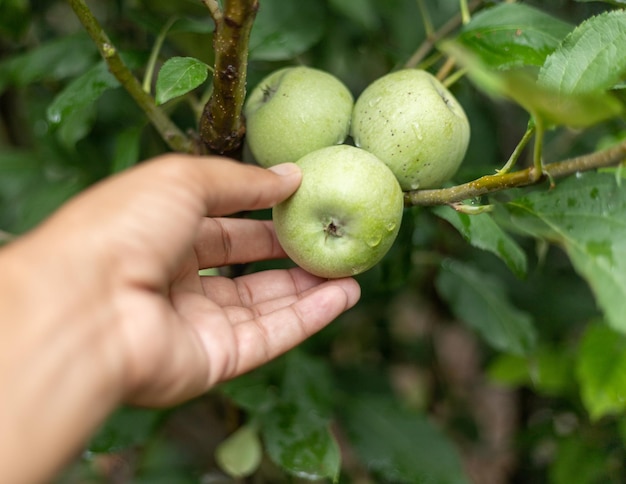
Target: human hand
102, 303
142, 237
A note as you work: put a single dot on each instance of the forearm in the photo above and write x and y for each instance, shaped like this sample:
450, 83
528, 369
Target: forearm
56, 377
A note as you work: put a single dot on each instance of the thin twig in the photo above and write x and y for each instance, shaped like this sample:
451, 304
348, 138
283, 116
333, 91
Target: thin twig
221, 125
443, 31
495, 183
173, 136
426, 20
214, 10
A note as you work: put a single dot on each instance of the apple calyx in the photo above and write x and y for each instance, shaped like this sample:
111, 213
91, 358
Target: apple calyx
333, 229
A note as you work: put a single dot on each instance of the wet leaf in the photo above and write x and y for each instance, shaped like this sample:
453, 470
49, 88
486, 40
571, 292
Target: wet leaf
297, 431
585, 215
484, 233
479, 299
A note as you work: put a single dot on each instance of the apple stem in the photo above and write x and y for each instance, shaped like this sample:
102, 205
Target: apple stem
611, 156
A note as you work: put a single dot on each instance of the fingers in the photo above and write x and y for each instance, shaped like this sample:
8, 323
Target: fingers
224, 241
271, 334
226, 186
252, 289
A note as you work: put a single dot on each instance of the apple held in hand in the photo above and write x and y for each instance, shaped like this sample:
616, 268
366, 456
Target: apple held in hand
294, 111
345, 215
412, 123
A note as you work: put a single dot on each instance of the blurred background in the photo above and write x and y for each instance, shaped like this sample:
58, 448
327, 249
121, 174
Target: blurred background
456, 366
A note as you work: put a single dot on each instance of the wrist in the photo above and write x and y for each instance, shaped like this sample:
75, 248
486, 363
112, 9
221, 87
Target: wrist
59, 371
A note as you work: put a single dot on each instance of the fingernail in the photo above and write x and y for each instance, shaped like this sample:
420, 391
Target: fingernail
285, 169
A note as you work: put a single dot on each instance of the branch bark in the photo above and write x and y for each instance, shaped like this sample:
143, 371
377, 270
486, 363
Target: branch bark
222, 126
170, 133
495, 183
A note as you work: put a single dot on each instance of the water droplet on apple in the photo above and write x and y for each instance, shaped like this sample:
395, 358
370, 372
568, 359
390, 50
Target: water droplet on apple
374, 242
415, 185
375, 101
391, 226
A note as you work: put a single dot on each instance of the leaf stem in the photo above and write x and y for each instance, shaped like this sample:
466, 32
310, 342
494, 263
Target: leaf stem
221, 125
530, 131
170, 133
154, 54
495, 183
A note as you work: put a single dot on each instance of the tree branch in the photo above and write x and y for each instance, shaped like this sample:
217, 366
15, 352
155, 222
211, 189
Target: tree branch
495, 183
175, 138
221, 125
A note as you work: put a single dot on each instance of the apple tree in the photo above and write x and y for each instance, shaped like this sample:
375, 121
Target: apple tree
490, 342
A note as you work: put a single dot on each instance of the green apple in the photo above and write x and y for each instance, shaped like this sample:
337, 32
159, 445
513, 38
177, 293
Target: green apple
294, 111
344, 216
412, 123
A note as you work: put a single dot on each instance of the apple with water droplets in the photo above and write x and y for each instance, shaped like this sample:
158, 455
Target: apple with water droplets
294, 111
414, 124
345, 215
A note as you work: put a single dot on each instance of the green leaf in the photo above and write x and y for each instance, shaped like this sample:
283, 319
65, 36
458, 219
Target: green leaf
479, 300
282, 30
617, 3
14, 17
585, 215
591, 58
241, 453
482, 232
554, 108
361, 12
58, 59
399, 445
580, 461
254, 391
513, 35
178, 76
76, 125
547, 371
127, 146
45, 198
81, 92
297, 432
601, 370
125, 428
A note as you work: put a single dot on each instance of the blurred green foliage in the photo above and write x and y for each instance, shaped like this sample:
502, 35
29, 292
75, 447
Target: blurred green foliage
486, 348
